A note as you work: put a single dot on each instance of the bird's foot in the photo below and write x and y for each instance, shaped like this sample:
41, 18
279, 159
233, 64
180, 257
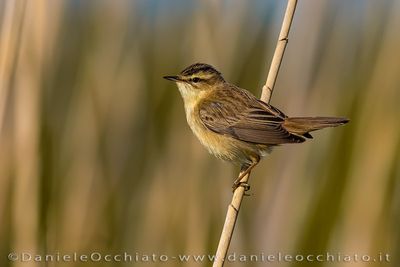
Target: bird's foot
245, 185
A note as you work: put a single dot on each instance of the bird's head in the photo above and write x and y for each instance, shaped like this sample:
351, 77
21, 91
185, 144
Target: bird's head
196, 79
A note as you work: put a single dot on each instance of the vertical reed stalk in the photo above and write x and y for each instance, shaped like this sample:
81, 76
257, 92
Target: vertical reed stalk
234, 206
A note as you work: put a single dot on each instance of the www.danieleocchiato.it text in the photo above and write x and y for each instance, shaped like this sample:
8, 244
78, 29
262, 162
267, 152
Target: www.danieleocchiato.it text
233, 257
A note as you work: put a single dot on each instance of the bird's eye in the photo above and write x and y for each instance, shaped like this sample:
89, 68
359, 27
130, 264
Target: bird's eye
196, 80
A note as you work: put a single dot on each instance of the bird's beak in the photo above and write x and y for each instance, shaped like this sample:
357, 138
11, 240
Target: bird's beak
173, 78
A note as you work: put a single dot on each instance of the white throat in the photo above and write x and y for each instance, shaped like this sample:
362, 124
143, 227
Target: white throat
189, 95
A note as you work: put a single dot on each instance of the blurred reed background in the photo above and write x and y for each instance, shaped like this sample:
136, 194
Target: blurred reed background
95, 153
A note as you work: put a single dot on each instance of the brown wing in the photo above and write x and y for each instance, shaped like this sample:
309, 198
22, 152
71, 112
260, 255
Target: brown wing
242, 116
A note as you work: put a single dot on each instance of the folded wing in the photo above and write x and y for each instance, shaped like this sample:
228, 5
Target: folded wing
249, 121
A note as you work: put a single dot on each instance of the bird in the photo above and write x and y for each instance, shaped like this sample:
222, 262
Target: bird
233, 124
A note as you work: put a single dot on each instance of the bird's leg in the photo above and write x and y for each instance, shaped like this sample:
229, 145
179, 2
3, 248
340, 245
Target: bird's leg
245, 170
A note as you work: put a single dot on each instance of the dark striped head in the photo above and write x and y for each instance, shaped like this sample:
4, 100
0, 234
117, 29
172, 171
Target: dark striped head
201, 69
199, 76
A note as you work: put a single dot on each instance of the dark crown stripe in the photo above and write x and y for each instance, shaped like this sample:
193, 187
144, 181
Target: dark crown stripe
199, 67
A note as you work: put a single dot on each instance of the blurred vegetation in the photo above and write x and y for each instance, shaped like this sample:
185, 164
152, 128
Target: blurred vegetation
95, 153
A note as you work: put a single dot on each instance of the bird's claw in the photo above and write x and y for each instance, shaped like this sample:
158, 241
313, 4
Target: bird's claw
245, 185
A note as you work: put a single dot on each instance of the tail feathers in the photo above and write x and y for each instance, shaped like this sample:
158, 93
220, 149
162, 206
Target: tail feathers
304, 125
